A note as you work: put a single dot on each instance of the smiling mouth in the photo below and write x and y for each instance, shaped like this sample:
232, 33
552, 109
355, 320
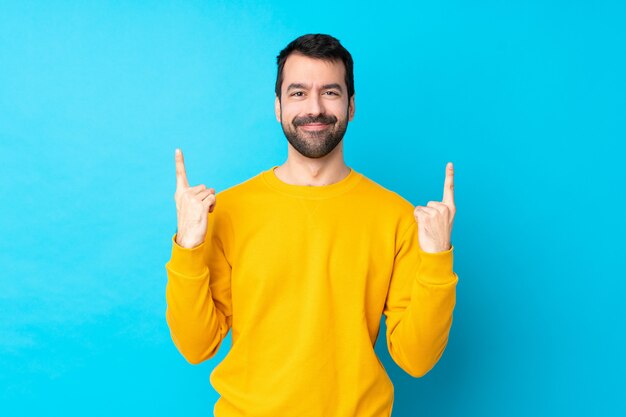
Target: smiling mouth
314, 126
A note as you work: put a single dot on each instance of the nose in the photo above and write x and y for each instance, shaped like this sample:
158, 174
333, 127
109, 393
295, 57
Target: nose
314, 105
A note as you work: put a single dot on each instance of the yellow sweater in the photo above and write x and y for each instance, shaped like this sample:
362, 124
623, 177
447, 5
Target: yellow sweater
302, 275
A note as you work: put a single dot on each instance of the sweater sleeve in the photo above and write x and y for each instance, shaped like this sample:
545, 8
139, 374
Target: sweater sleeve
199, 313
419, 305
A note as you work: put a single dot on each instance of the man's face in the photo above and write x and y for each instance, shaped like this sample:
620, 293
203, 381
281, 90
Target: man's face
314, 109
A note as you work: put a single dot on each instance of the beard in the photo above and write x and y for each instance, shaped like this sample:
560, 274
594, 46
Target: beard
318, 143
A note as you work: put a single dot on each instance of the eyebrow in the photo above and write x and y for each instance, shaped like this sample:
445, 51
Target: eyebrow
305, 86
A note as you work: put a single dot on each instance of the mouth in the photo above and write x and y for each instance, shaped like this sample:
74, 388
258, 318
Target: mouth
314, 126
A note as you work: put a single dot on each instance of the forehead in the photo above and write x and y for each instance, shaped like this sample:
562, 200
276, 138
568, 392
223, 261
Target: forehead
303, 69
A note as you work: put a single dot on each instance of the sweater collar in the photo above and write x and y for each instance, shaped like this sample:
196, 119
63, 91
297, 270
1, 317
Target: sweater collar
311, 191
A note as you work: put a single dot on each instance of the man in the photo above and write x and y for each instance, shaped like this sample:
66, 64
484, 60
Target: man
301, 261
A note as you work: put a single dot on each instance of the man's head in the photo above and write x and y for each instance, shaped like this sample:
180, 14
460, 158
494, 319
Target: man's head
314, 93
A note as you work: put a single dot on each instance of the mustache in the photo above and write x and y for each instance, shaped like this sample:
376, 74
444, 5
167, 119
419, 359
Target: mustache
322, 118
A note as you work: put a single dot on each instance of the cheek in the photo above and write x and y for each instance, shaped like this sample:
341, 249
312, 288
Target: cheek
291, 114
288, 111
340, 109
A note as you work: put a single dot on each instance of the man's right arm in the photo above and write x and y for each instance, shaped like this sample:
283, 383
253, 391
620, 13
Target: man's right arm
198, 273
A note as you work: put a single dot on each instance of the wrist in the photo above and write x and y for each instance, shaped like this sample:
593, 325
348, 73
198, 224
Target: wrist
436, 249
187, 261
187, 243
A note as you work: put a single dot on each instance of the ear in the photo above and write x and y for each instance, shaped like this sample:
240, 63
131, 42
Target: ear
351, 109
277, 109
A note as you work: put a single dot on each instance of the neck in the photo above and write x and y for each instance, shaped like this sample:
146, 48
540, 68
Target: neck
300, 170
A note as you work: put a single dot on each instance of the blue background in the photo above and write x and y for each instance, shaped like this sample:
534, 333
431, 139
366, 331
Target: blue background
528, 99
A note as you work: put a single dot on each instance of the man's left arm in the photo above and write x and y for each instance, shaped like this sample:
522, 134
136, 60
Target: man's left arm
422, 292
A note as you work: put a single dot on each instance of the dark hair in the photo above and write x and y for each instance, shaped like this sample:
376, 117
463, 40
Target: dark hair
318, 46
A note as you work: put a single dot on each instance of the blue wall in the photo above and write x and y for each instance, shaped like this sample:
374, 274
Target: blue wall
528, 99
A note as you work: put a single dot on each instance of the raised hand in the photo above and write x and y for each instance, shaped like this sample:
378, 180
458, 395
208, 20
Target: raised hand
192, 207
434, 222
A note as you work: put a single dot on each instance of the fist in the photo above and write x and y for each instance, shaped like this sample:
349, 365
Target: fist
192, 207
434, 221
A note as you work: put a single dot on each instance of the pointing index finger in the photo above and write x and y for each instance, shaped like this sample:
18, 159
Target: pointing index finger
448, 185
181, 174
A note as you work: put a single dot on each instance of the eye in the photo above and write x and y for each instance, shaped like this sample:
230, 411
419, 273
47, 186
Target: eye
296, 94
334, 93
